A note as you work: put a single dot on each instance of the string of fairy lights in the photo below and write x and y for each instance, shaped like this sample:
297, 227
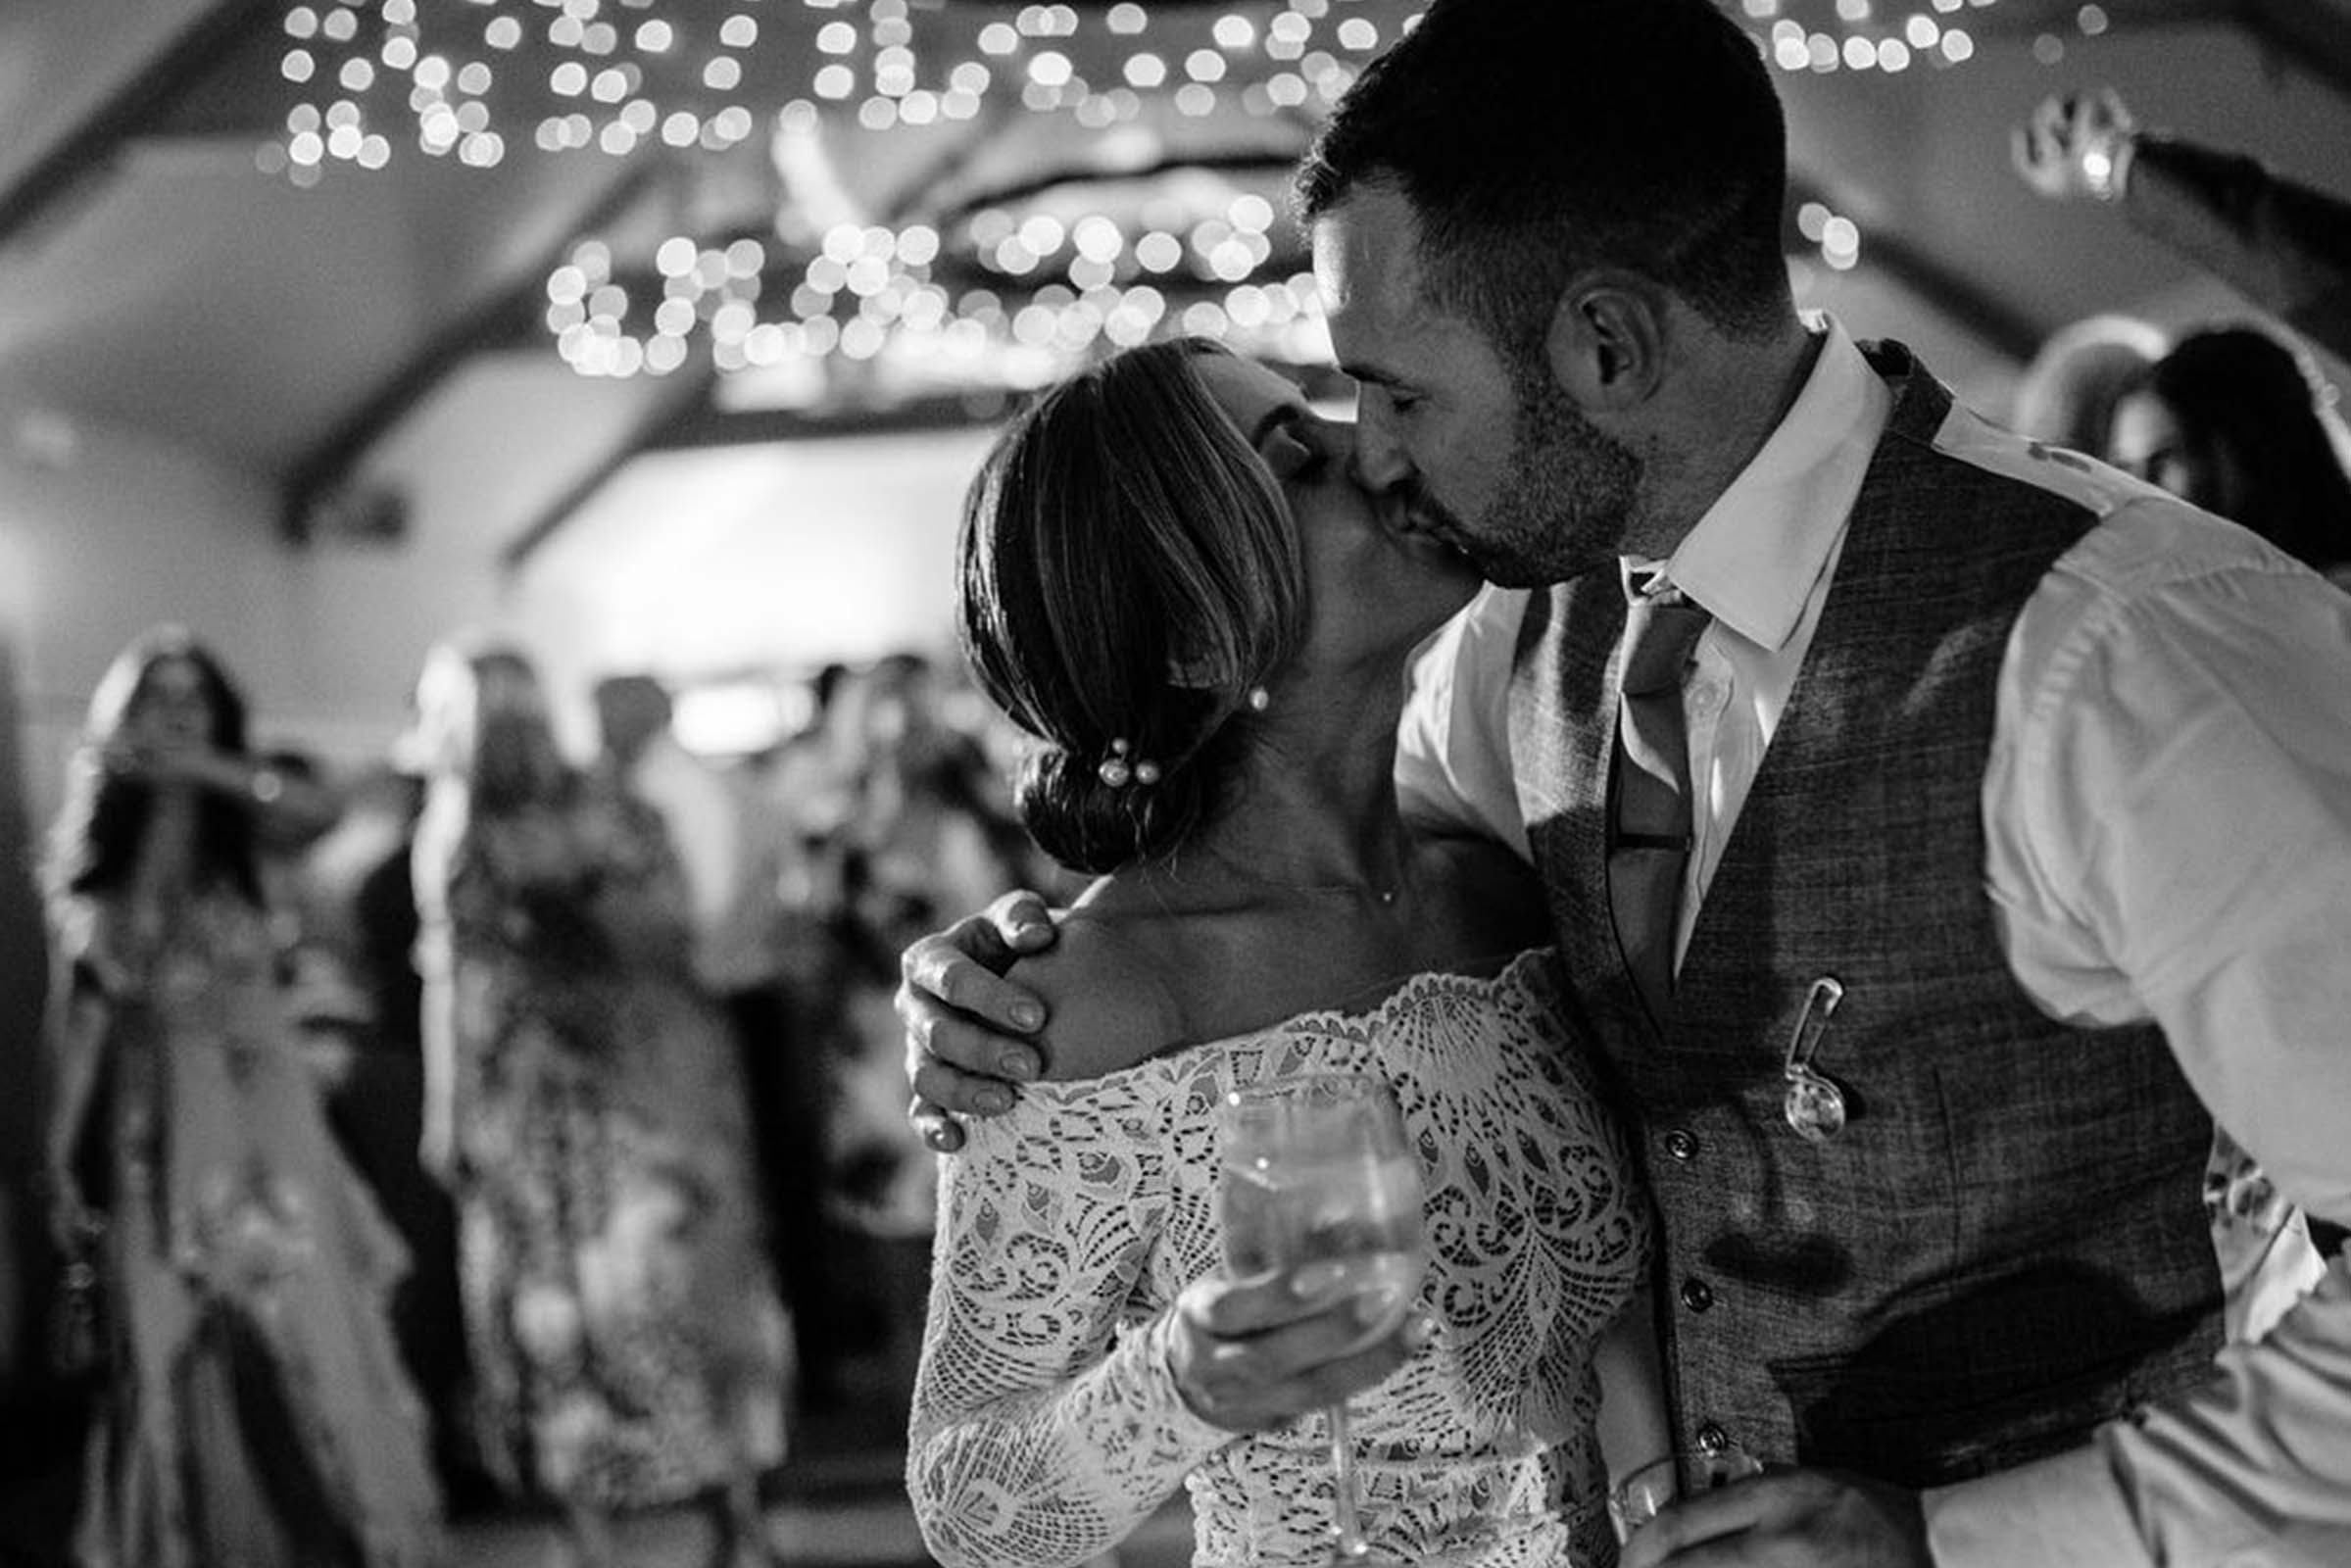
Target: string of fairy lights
1017, 290
617, 75
872, 289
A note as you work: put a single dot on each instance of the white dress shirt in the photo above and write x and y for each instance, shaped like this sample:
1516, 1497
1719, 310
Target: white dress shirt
2168, 815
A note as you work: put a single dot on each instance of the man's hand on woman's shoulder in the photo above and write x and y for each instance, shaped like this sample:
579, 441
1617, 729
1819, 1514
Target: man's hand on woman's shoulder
965, 1024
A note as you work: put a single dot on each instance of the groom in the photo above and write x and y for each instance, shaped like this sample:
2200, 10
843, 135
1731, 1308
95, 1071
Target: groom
2017, 794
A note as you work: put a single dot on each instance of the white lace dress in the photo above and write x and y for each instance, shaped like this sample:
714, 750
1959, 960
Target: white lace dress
1046, 1425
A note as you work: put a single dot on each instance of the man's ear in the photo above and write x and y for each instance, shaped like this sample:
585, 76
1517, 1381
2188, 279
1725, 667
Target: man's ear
1606, 344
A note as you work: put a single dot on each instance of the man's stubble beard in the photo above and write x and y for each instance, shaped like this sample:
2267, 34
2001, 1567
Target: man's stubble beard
1568, 501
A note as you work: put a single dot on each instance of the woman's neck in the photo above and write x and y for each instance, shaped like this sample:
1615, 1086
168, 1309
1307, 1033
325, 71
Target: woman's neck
1315, 809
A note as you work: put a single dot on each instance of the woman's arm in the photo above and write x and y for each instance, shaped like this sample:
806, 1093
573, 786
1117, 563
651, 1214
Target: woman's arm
289, 807
436, 1025
432, 854
2284, 245
1044, 1430
77, 1030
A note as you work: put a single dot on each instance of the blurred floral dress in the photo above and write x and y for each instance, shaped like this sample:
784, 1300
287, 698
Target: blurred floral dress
257, 1413
629, 1343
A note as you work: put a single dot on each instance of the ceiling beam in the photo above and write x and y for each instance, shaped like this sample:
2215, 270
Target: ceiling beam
957, 409
1253, 161
1987, 316
712, 426
2311, 35
138, 107
688, 401
506, 314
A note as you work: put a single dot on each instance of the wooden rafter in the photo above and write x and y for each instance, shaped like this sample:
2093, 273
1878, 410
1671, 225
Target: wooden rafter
140, 106
507, 311
686, 403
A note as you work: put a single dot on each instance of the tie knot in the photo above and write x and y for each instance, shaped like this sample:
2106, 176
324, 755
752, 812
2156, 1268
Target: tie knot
1659, 634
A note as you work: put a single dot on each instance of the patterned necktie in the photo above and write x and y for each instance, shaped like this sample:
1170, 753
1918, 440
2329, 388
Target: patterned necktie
1649, 830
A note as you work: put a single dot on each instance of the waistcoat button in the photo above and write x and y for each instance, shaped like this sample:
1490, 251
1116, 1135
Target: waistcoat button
1697, 1294
1682, 1144
1712, 1437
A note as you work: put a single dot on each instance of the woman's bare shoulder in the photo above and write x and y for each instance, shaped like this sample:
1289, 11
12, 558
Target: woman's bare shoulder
1109, 1002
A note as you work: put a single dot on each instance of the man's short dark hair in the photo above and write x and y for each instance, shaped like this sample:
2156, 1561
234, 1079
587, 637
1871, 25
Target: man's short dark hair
1537, 137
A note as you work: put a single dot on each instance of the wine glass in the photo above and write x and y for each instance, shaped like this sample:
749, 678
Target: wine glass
1316, 1170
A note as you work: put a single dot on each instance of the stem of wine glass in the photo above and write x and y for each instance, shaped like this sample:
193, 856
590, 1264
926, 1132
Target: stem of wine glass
1348, 1546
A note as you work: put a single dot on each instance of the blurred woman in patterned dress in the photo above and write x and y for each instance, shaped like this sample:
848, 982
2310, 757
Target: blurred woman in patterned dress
583, 1101
258, 1416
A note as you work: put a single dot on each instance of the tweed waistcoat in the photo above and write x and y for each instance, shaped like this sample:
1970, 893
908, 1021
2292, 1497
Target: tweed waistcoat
2007, 1244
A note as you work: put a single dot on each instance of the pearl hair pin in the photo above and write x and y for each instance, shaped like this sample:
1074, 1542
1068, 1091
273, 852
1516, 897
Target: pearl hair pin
1122, 767
1118, 770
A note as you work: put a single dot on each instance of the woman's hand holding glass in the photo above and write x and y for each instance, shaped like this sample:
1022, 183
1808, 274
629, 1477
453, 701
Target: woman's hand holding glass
1320, 1193
1248, 1354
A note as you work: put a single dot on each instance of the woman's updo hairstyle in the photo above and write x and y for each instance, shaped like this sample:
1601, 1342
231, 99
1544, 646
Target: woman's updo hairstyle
1127, 572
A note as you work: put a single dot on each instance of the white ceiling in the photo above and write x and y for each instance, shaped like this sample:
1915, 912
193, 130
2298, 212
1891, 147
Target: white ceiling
171, 287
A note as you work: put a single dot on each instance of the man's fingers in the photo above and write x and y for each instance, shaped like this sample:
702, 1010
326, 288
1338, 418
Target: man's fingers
931, 963
1786, 1519
954, 971
963, 1069
1699, 1518
960, 1020
969, 989
1021, 921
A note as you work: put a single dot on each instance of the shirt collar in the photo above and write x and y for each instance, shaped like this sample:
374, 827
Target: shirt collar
1753, 558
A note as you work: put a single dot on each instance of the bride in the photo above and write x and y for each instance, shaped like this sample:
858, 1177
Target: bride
1170, 581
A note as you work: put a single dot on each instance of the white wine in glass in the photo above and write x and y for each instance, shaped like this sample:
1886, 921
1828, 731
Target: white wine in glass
1316, 1169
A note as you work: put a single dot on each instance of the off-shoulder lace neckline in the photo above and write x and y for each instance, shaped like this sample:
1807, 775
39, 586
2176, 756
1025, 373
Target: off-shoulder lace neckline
1336, 1019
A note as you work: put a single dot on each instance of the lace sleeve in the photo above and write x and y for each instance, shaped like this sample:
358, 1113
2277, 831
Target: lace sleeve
1046, 1425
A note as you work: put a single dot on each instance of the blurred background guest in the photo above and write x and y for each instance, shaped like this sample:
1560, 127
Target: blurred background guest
931, 824
733, 847
923, 826
2066, 395
359, 998
584, 1098
257, 1412
2284, 245
811, 775
2239, 422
